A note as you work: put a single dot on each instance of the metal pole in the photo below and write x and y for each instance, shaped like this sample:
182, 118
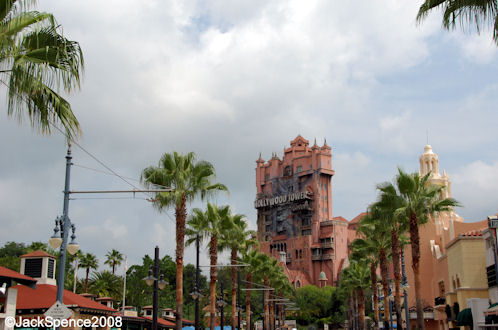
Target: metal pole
405, 294
156, 288
197, 289
65, 225
263, 318
75, 274
221, 306
238, 298
389, 301
124, 284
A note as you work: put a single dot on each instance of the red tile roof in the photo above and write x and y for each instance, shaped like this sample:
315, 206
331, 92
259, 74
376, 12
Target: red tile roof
358, 217
105, 299
473, 233
44, 296
18, 277
160, 321
37, 253
339, 219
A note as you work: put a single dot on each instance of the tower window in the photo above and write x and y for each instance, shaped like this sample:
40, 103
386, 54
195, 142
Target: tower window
51, 264
267, 177
299, 169
33, 267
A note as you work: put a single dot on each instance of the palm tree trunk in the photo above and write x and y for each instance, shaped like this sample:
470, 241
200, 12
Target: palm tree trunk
361, 309
373, 277
395, 251
267, 311
383, 275
234, 298
248, 300
86, 279
213, 252
181, 215
415, 243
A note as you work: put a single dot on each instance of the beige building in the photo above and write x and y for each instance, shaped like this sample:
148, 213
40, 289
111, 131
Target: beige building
466, 269
447, 246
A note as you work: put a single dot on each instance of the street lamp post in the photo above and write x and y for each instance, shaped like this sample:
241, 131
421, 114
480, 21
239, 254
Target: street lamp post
196, 295
238, 298
61, 232
152, 280
405, 293
221, 304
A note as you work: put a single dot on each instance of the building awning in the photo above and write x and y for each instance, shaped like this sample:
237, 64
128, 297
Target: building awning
465, 318
492, 310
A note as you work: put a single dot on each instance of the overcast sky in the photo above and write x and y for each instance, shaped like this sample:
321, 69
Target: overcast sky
230, 79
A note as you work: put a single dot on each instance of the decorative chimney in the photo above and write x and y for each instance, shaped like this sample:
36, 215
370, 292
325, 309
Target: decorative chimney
39, 265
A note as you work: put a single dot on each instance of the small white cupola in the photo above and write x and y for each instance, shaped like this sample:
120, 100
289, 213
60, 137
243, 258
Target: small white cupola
429, 162
39, 265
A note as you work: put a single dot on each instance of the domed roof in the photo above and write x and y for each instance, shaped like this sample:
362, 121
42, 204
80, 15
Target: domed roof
428, 149
322, 277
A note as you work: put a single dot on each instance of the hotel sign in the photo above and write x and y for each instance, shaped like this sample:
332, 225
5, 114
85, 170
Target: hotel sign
282, 199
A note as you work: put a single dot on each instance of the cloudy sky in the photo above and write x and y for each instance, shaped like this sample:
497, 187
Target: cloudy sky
231, 79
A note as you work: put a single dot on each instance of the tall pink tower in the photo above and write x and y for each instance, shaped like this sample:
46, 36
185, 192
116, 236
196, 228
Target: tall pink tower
295, 223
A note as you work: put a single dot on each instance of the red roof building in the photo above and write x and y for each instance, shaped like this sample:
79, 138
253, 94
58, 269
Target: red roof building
44, 296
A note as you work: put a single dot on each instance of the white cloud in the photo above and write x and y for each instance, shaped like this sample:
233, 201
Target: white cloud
475, 185
228, 80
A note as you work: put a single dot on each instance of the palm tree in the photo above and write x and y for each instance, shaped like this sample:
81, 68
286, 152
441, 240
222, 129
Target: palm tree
367, 249
88, 261
254, 259
211, 224
466, 12
356, 277
386, 205
420, 200
188, 179
236, 239
114, 258
36, 60
106, 284
267, 268
377, 238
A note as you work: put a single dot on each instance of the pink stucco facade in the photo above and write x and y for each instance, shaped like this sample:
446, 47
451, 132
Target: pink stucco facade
295, 222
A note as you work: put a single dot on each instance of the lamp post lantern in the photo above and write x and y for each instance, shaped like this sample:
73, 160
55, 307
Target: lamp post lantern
158, 284
61, 232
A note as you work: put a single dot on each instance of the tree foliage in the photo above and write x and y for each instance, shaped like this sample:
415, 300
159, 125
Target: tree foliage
467, 14
37, 62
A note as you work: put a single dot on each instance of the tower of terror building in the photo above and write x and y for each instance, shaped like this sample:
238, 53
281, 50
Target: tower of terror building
294, 205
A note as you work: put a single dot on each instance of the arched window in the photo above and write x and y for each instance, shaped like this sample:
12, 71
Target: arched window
298, 284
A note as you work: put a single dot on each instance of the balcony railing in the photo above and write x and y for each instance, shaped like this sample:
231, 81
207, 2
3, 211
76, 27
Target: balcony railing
328, 256
316, 257
327, 245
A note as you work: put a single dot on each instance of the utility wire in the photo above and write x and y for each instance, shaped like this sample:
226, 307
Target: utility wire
111, 174
87, 152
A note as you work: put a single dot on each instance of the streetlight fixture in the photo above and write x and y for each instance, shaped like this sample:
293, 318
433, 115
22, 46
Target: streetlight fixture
151, 280
61, 231
221, 304
196, 295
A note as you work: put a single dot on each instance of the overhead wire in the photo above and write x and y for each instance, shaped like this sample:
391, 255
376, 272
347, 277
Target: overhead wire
102, 163
92, 156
